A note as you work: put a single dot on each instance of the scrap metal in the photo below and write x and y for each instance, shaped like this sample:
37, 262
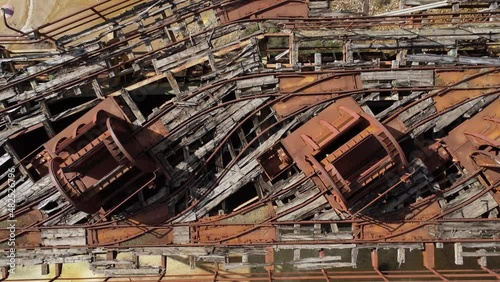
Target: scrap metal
273, 135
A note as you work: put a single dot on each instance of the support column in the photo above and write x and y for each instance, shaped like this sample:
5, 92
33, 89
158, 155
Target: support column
374, 257
455, 8
164, 260
294, 49
348, 56
365, 9
45, 269
296, 252
269, 259
429, 260
58, 268
317, 61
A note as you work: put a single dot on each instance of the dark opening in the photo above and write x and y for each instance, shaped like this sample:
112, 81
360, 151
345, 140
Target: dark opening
146, 102
26, 143
59, 106
243, 194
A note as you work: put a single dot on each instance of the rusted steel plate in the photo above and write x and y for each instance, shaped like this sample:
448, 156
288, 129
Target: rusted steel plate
234, 234
344, 150
154, 215
151, 135
480, 133
401, 231
295, 145
313, 84
262, 9
30, 238
478, 78
23, 220
132, 235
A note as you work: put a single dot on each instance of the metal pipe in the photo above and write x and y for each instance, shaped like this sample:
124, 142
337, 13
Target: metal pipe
10, 27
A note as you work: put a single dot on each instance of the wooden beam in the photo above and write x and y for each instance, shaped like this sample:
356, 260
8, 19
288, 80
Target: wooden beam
348, 55
47, 125
211, 61
365, 8
15, 157
443, 59
133, 106
294, 49
173, 83
317, 62
97, 89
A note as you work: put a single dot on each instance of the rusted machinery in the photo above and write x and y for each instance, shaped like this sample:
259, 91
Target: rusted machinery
343, 149
272, 135
99, 157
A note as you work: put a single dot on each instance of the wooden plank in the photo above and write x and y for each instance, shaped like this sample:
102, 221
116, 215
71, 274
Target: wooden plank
111, 262
458, 226
224, 123
294, 49
47, 125
211, 61
77, 109
173, 83
244, 171
141, 84
475, 209
253, 82
7, 94
318, 4
311, 237
179, 57
67, 77
426, 76
315, 246
181, 235
97, 88
129, 271
461, 60
133, 106
22, 124
307, 209
409, 36
310, 266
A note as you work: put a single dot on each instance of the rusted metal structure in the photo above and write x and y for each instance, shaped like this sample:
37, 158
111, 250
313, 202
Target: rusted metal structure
273, 135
